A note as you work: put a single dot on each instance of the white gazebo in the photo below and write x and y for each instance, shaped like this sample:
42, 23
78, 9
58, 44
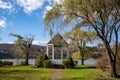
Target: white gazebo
57, 48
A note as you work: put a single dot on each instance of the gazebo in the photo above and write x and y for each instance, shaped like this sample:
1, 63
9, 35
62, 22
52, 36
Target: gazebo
57, 48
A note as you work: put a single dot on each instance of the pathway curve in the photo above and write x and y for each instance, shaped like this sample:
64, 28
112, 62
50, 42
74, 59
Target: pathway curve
56, 74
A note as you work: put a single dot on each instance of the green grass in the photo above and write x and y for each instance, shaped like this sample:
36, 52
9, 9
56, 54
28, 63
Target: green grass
29, 73
24, 73
83, 73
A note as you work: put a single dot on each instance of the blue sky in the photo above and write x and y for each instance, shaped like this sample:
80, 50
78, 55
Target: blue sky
23, 17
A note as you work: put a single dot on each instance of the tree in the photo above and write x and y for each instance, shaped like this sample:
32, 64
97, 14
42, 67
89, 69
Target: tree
103, 16
27, 47
76, 55
18, 52
80, 39
118, 59
88, 53
24, 44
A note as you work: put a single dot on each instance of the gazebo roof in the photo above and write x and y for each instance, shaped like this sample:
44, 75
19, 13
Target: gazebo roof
58, 40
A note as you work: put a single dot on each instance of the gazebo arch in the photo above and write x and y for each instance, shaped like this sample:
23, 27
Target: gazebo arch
57, 48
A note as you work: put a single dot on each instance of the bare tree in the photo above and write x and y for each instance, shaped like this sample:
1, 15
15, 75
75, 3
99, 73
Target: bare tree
18, 52
27, 46
24, 45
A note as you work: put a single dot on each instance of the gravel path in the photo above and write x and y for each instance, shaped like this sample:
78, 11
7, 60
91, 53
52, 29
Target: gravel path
56, 74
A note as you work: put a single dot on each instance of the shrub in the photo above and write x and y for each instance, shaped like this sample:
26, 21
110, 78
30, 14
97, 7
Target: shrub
71, 62
68, 63
103, 62
45, 57
40, 61
47, 63
0, 63
7, 63
22, 63
75, 62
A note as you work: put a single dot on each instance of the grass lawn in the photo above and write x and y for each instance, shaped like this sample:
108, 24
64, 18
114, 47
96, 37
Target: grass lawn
24, 73
29, 73
83, 73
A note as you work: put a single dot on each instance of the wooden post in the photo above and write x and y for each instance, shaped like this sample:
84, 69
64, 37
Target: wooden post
53, 52
67, 51
62, 53
47, 50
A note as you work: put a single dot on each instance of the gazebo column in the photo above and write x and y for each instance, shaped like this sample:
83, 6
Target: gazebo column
47, 50
62, 53
53, 54
67, 52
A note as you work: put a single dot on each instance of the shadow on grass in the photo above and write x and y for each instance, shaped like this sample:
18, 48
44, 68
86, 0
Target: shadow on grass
75, 79
17, 72
118, 76
84, 67
12, 78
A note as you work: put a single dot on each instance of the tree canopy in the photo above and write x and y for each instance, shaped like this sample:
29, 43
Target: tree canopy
80, 38
103, 16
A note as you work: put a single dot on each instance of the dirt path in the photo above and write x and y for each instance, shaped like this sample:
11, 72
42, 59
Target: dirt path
56, 74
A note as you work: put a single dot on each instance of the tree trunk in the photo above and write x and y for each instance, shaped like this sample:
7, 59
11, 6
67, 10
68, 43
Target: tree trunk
82, 55
26, 60
82, 61
113, 68
112, 60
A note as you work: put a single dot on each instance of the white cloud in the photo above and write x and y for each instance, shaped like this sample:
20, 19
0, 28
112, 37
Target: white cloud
47, 8
35, 42
5, 5
11, 42
50, 6
3, 23
30, 5
40, 43
56, 1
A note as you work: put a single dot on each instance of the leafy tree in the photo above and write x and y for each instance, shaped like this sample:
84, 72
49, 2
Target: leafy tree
80, 39
90, 51
24, 45
76, 55
103, 16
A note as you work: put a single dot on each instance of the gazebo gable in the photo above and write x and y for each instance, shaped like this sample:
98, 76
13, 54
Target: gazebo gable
58, 40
